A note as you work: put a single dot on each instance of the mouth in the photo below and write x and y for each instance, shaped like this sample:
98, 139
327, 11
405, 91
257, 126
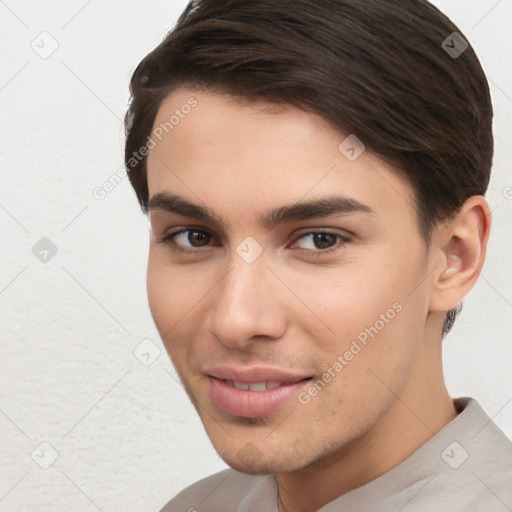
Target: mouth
252, 398
259, 386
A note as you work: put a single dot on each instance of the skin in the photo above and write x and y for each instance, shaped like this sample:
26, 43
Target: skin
298, 311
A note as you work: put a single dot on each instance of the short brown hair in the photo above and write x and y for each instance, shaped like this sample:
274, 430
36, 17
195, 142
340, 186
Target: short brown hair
376, 68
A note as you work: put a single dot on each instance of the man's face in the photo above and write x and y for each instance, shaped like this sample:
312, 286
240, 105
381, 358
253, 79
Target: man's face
323, 316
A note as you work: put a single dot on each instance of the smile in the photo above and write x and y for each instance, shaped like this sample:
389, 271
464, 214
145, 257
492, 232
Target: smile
255, 386
254, 399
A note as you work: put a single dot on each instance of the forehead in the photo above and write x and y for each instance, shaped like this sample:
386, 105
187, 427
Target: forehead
233, 154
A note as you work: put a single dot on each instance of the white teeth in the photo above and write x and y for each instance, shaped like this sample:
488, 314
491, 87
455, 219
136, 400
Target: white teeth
254, 386
257, 386
273, 384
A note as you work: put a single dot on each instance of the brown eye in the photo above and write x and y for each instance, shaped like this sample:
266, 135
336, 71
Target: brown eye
321, 242
197, 238
186, 238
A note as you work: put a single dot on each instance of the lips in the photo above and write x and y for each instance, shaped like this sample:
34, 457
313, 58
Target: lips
253, 392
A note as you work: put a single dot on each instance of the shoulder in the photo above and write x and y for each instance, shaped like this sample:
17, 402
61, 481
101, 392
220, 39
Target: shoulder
478, 470
216, 493
491, 469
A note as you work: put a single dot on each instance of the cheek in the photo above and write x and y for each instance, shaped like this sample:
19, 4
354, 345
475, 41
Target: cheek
177, 297
168, 296
365, 368
158, 286
365, 312
379, 326
339, 303
167, 310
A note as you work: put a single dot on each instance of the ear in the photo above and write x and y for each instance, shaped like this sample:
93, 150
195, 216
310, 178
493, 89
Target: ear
459, 247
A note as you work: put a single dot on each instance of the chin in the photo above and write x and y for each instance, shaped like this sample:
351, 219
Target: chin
250, 460
263, 467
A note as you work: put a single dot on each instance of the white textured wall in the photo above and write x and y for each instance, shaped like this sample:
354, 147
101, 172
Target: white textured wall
124, 434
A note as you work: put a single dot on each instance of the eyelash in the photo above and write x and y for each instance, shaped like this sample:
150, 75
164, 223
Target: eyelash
168, 240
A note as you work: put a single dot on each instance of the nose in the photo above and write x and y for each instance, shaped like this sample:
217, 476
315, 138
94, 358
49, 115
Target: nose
245, 305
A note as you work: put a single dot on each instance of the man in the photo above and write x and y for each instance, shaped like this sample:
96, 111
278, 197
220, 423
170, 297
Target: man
314, 174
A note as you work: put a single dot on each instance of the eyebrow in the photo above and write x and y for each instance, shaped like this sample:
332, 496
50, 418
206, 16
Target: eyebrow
312, 209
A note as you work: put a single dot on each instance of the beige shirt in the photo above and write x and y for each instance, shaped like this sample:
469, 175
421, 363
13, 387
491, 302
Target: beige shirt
466, 467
